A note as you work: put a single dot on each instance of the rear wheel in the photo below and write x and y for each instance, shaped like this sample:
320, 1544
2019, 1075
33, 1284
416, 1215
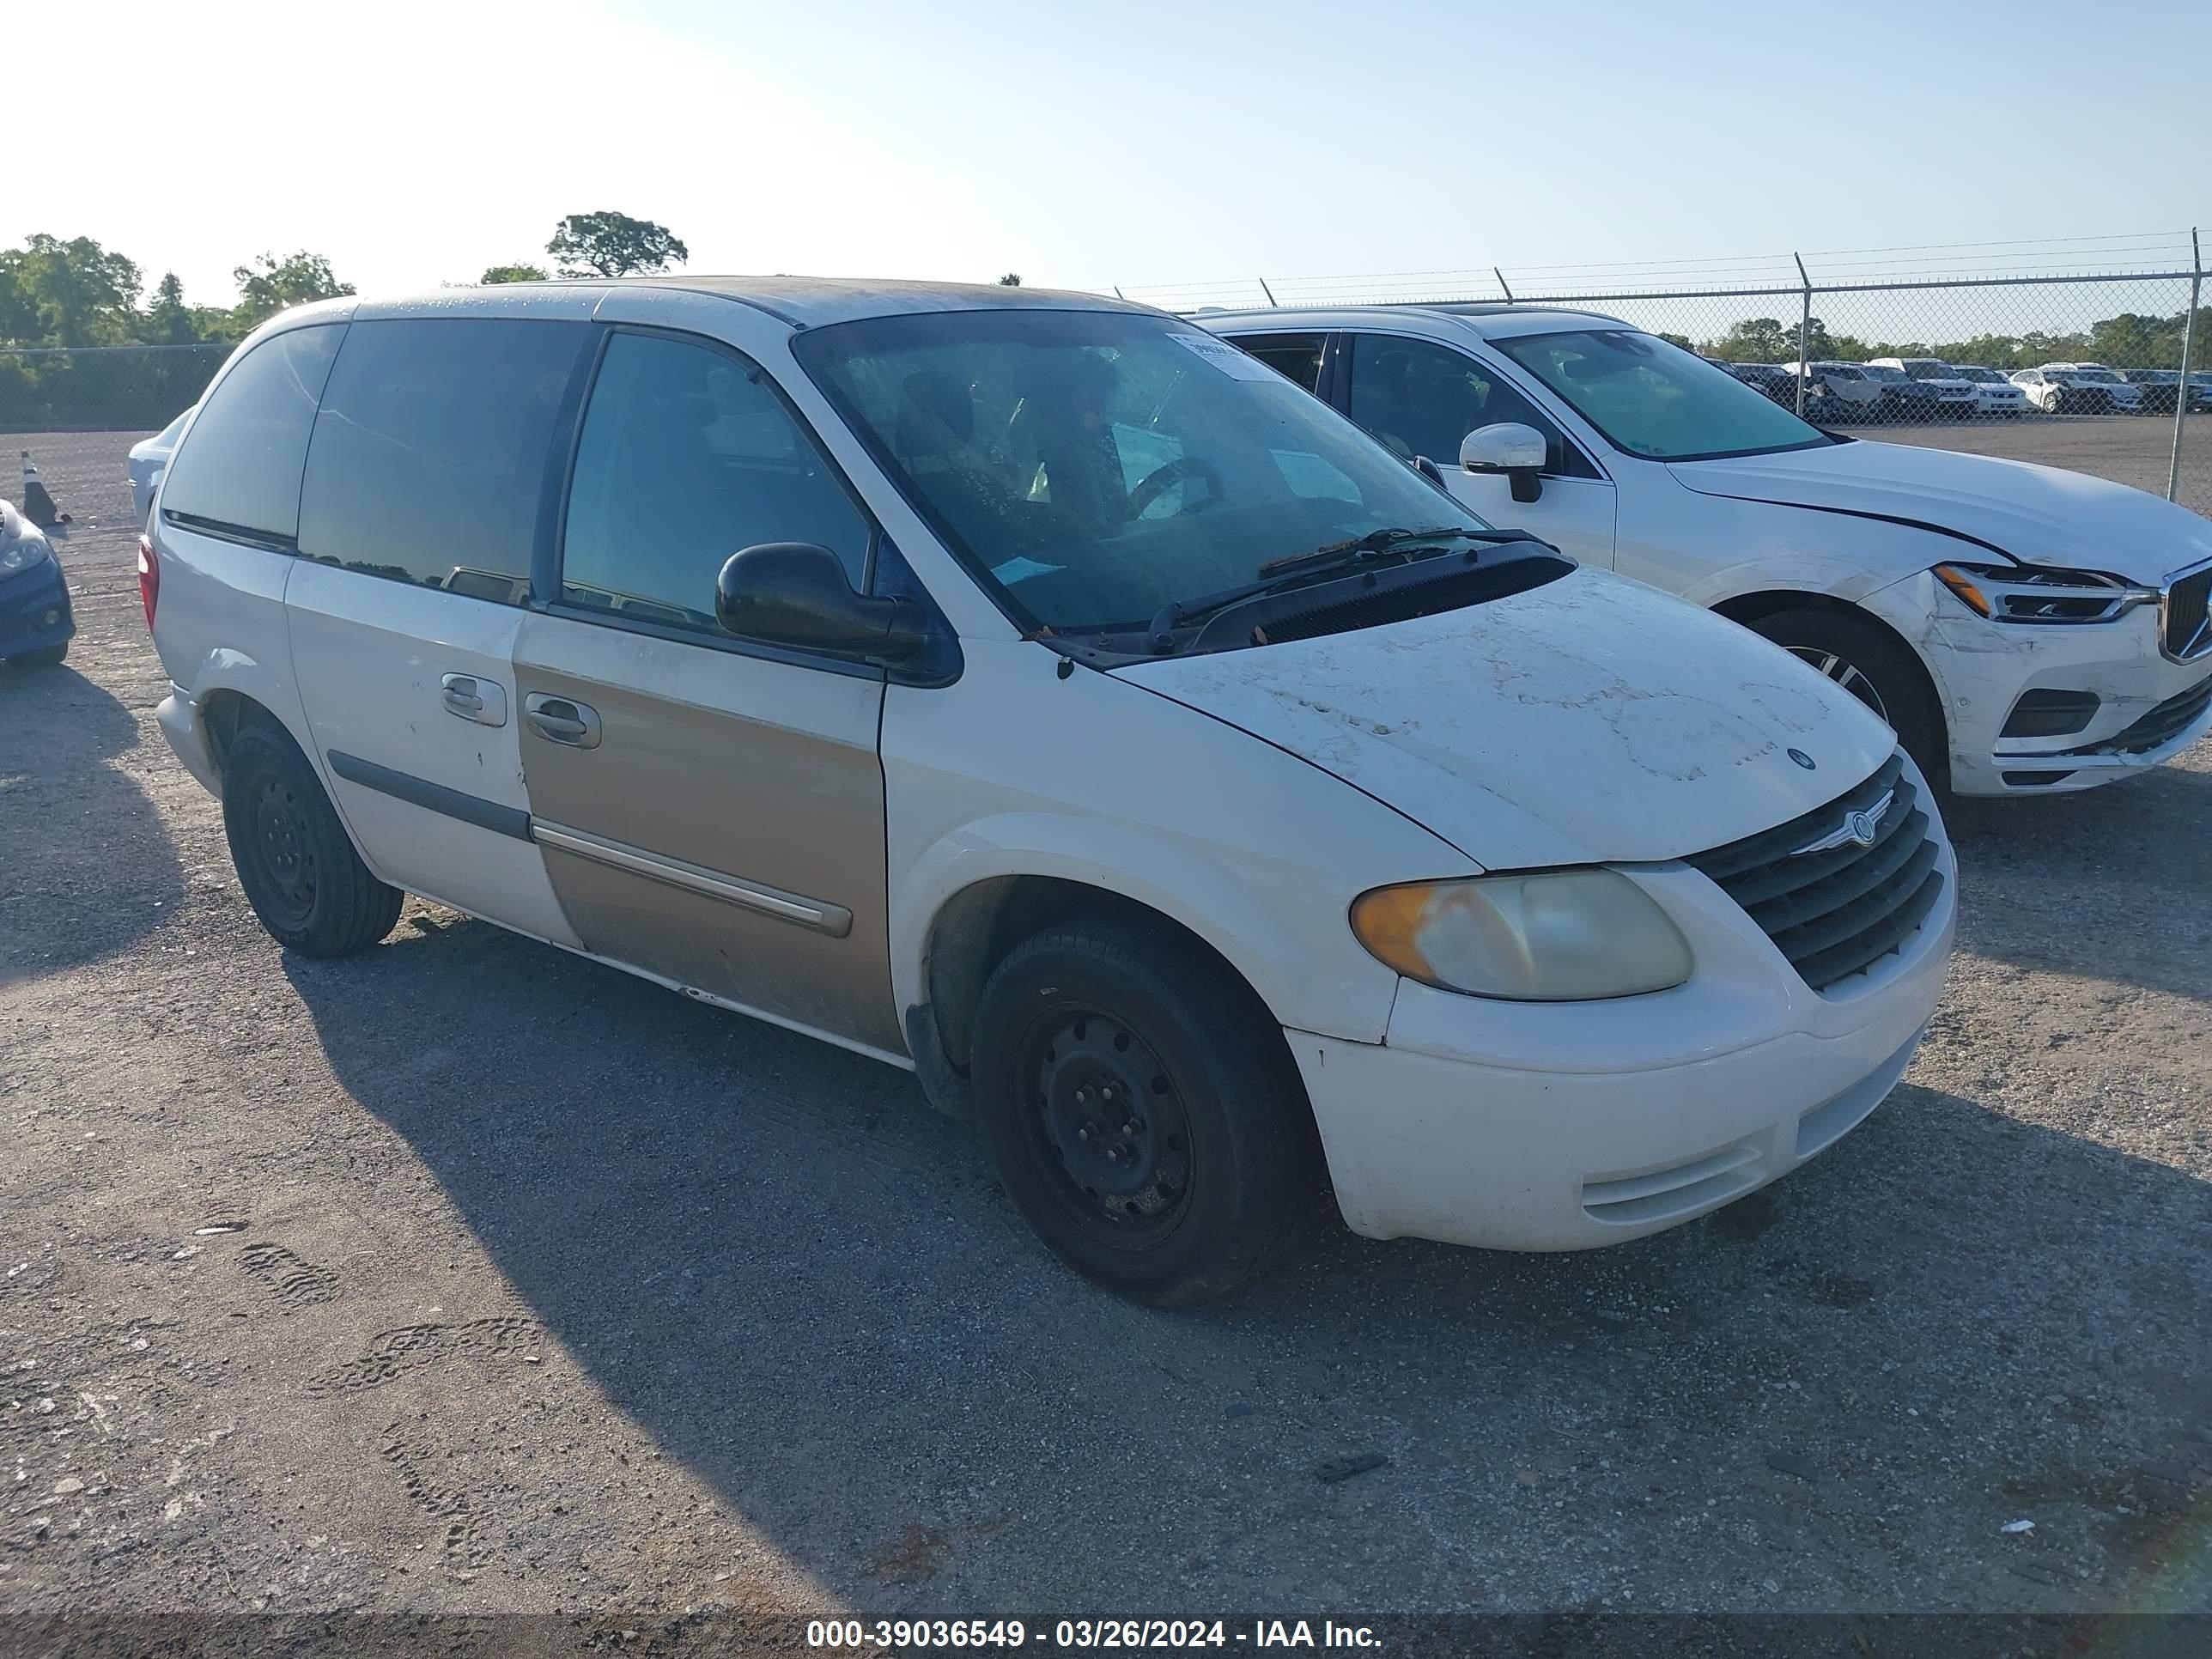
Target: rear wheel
293, 856
1144, 1117
1859, 656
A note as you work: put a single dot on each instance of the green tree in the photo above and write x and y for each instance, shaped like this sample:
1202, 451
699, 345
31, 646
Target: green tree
72, 293
610, 244
1681, 340
1754, 340
168, 320
519, 273
1012, 279
278, 285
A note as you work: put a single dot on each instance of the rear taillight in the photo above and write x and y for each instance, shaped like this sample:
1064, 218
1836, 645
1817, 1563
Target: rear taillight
150, 579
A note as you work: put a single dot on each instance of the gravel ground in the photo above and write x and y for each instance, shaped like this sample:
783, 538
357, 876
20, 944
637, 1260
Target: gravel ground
469, 1276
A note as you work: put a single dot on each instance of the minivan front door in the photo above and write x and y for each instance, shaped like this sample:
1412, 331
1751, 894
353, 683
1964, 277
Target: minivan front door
1422, 398
709, 811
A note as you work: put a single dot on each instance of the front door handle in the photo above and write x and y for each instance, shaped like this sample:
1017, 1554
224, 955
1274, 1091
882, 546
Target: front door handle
474, 698
562, 720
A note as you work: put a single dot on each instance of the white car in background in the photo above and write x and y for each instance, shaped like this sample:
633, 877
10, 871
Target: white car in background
2025, 630
2094, 389
1946, 391
1993, 394
1856, 395
149, 458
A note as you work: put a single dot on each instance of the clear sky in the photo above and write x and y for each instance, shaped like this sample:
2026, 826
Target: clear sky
1084, 145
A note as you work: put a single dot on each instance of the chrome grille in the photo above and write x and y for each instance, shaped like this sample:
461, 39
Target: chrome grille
1838, 910
2183, 631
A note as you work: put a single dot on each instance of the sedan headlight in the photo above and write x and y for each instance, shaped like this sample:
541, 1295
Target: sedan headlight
21, 554
2027, 593
1562, 936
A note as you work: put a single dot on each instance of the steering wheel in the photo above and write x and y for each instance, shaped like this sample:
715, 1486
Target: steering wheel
1155, 484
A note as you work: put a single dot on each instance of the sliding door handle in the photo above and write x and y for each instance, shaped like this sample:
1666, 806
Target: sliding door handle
562, 720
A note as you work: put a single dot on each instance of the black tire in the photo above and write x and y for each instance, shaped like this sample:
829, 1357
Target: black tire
53, 657
1220, 1164
293, 855
1859, 655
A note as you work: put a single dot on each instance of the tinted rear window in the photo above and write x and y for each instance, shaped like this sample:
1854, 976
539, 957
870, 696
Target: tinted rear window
241, 467
430, 453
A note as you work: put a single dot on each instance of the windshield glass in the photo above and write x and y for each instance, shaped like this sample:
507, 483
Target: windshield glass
1929, 371
1841, 370
1656, 400
1883, 372
2102, 376
1984, 375
1093, 467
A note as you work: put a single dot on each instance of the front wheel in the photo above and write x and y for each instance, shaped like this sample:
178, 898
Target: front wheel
1143, 1115
1866, 662
293, 856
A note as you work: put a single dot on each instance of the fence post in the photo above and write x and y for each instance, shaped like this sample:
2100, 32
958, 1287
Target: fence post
2184, 390
1500, 275
1804, 334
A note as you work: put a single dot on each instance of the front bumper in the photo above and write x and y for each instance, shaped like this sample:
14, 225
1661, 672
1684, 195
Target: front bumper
34, 610
1566, 1126
1981, 668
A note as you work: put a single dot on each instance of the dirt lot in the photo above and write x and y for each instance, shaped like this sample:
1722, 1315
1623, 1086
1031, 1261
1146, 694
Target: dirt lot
467, 1275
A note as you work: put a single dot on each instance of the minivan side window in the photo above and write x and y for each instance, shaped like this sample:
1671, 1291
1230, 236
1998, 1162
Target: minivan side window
1295, 357
429, 459
687, 455
239, 470
1422, 399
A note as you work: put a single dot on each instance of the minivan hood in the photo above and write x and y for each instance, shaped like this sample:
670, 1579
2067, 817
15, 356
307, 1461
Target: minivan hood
2039, 514
1592, 719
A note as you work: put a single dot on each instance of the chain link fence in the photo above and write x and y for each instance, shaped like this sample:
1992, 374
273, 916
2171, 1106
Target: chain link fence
2073, 355
102, 388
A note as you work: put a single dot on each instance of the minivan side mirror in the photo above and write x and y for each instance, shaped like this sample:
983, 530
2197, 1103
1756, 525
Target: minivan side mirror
1510, 447
796, 594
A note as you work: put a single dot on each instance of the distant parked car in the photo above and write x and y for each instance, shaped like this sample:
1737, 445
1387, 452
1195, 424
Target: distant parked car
2095, 377
1994, 394
1904, 398
1781, 386
36, 621
149, 458
1953, 394
1857, 397
2160, 388
2200, 389
2055, 389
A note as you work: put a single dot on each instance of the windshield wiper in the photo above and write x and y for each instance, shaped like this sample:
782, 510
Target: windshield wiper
1376, 547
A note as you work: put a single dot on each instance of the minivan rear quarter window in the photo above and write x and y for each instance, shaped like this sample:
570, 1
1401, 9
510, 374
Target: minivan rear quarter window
430, 454
239, 472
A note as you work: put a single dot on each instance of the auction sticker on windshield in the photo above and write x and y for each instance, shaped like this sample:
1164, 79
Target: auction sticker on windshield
1229, 359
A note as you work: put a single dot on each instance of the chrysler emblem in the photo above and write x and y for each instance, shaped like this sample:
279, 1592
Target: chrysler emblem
1858, 829
1802, 758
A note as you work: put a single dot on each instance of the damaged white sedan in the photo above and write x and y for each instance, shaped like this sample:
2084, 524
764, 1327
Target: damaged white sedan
2025, 630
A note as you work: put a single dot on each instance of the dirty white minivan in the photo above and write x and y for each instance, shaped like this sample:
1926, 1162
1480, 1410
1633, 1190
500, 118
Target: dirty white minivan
1036, 693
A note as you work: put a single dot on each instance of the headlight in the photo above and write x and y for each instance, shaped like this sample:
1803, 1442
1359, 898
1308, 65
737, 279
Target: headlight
2025, 593
21, 554
1565, 936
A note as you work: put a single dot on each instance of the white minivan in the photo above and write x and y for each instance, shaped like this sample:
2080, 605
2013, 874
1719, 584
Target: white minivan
1034, 692
2025, 630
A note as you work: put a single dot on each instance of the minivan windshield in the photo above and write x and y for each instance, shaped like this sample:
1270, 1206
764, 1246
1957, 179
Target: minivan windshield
1095, 467
1656, 400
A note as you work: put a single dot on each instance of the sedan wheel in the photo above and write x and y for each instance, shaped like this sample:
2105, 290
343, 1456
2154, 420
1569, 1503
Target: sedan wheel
1848, 676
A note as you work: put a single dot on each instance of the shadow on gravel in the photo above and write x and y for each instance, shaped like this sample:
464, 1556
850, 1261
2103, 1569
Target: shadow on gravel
86, 866
2126, 865
800, 1282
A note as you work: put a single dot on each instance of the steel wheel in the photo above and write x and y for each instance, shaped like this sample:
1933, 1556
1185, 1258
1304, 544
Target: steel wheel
1109, 1119
1846, 674
282, 849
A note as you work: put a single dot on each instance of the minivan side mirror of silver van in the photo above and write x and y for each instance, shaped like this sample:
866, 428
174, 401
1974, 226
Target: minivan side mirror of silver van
1510, 447
796, 594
